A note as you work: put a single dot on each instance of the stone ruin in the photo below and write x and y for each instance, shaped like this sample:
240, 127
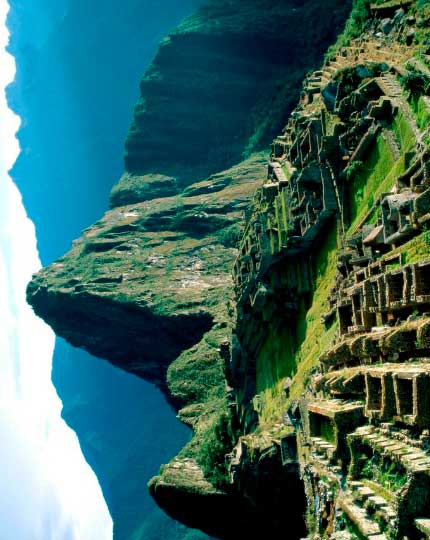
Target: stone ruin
361, 431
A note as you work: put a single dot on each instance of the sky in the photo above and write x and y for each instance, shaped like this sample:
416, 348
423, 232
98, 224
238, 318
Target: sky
47, 491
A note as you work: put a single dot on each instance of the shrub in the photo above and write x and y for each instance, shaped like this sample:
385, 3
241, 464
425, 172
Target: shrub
216, 439
415, 83
231, 236
354, 25
354, 169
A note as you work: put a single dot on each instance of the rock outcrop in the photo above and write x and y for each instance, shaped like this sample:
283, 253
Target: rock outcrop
150, 279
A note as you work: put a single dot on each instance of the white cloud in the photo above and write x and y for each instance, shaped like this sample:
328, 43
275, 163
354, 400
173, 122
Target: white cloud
47, 490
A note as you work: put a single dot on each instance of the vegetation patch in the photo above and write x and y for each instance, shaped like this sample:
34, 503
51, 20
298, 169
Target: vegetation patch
314, 337
384, 472
421, 107
213, 437
379, 170
354, 26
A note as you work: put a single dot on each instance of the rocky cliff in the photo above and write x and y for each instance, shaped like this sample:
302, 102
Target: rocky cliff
324, 342
223, 82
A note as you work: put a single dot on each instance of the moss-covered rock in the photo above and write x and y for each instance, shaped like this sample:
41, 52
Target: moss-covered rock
133, 189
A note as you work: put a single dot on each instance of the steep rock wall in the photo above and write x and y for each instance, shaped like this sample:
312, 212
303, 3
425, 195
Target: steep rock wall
223, 81
151, 276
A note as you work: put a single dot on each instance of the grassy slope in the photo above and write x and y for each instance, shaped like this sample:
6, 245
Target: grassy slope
278, 358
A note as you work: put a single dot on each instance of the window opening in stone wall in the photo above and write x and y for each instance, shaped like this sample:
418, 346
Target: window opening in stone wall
374, 394
321, 426
356, 302
422, 280
374, 294
345, 318
395, 287
369, 320
405, 390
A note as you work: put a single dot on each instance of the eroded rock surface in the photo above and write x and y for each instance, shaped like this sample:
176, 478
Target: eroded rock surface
150, 279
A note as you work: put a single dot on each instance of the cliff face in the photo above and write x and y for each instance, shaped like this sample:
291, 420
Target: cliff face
138, 295
224, 81
149, 286
151, 276
77, 67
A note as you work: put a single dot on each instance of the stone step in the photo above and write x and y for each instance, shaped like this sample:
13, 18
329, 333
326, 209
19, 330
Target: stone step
359, 516
409, 456
325, 449
365, 430
417, 456
386, 443
423, 525
378, 440
330, 69
373, 436
377, 502
370, 500
391, 447
413, 460
399, 450
312, 89
363, 493
355, 484
420, 468
389, 512
327, 446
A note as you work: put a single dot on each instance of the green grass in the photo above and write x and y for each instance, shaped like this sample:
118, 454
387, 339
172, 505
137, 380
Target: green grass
384, 472
296, 349
286, 171
421, 107
277, 357
370, 181
403, 132
197, 375
213, 438
327, 431
379, 489
378, 172
415, 250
